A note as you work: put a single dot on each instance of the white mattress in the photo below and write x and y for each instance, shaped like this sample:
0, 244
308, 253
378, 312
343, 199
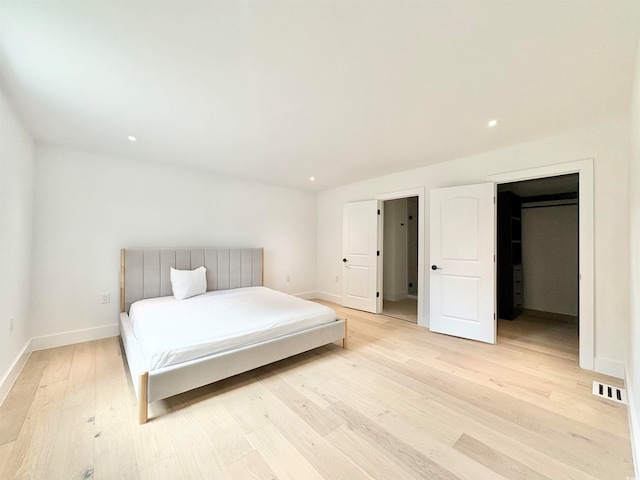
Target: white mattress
171, 331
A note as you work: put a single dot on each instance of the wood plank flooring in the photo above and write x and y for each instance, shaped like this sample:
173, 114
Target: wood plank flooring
405, 309
400, 403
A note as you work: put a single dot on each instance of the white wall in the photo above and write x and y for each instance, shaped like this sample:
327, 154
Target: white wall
606, 144
16, 214
550, 259
89, 206
633, 371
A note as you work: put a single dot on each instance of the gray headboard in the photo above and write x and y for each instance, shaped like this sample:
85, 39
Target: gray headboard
144, 273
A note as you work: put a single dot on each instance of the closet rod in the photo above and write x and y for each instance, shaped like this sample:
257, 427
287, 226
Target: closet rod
548, 204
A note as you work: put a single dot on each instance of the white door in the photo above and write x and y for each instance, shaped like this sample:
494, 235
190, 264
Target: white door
462, 262
360, 255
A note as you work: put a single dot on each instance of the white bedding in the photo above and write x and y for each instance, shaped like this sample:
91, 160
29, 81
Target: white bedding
171, 331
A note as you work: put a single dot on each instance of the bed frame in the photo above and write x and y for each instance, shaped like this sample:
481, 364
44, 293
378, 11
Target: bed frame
144, 273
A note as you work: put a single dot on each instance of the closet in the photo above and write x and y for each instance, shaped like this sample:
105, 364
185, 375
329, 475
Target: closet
537, 248
510, 288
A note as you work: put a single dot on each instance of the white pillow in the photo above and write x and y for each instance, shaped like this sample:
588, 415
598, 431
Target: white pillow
188, 283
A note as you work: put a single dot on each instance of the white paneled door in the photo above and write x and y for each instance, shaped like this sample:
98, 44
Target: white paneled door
360, 255
462, 262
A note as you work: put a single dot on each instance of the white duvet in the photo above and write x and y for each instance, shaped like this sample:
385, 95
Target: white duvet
171, 331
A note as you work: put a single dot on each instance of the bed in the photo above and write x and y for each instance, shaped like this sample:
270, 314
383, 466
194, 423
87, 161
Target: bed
256, 326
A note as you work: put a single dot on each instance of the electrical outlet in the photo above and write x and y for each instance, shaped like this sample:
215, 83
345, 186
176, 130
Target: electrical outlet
106, 298
288, 278
11, 326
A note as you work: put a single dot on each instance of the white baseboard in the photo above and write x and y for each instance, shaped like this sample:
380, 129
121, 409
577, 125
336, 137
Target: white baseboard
11, 376
609, 367
395, 296
634, 426
76, 336
329, 297
306, 295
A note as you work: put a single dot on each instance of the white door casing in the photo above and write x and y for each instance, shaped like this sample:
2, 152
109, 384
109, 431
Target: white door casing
586, 250
462, 247
360, 255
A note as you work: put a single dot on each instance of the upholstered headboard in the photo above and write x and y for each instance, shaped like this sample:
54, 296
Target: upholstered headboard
144, 273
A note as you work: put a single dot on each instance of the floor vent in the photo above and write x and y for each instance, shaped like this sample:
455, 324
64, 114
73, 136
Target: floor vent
612, 393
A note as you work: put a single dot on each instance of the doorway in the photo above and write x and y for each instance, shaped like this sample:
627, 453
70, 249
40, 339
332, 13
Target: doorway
452, 321
400, 259
363, 253
538, 263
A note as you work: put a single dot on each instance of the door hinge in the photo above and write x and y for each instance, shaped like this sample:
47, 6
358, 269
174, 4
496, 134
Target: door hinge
494, 199
377, 294
494, 258
378, 211
378, 253
494, 316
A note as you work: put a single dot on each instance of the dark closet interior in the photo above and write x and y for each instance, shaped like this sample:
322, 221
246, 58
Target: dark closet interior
509, 261
537, 242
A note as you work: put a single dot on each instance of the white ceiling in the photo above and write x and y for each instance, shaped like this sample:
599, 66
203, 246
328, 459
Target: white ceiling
278, 91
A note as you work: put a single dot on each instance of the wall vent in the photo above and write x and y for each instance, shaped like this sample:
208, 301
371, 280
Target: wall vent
611, 393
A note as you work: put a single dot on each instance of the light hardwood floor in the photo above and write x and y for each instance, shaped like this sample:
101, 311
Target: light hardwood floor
400, 403
405, 309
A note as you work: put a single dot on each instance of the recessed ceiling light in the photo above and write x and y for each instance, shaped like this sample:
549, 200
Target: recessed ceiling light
492, 123
313, 179
132, 138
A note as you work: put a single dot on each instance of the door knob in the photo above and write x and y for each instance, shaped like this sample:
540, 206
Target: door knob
434, 267
345, 260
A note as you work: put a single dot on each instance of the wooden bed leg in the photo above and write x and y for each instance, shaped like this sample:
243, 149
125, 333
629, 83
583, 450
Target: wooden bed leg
143, 386
345, 341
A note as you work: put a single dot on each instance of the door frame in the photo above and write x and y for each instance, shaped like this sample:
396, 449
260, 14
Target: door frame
584, 168
412, 192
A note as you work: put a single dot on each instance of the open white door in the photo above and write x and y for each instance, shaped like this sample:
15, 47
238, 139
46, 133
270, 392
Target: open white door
360, 255
462, 256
